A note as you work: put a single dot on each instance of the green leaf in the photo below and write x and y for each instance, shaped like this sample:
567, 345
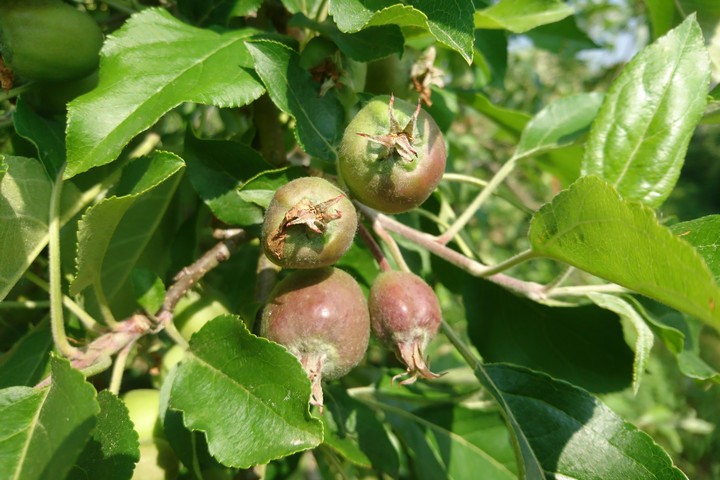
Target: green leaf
519, 16
309, 8
46, 134
352, 429
449, 441
260, 189
514, 121
319, 119
449, 22
24, 204
97, 227
562, 38
637, 333
149, 66
216, 169
590, 227
559, 124
662, 16
703, 234
583, 345
253, 409
217, 12
639, 139
573, 434
113, 450
149, 289
366, 45
26, 363
491, 56
44, 430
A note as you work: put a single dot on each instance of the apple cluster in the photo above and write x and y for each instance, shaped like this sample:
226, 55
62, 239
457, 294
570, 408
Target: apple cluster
391, 158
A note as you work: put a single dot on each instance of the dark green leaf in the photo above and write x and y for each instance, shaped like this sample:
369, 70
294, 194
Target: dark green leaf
113, 450
353, 430
491, 55
149, 66
573, 434
47, 134
449, 22
450, 441
292, 89
44, 430
369, 44
638, 334
26, 363
519, 16
590, 227
140, 181
639, 138
218, 12
559, 124
662, 15
217, 168
583, 345
703, 234
252, 409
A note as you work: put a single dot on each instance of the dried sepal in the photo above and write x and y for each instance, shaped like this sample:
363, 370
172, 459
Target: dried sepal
411, 354
313, 216
399, 139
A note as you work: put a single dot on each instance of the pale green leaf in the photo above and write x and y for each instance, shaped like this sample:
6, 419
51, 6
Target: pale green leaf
149, 66
639, 138
98, 226
637, 333
559, 124
319, 118
703, 234
519, 16
590, 227
252, 409
44, 430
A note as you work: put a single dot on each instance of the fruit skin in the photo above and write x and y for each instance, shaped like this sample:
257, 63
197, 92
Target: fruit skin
48, 40
293, 235
405, 314
391, 183
321, 317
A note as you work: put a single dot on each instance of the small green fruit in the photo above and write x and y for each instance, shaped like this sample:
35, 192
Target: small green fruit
310, 223
48, 40
392, 155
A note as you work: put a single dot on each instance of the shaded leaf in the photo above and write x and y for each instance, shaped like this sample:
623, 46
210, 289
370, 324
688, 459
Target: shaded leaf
44, 430
639, 138
352, 429
563, 37
519, 16
637, 333
113, 450
491, 56
583, 345
216, 169
149, 289
253, 409
449, 22
46, 134
559, 124
149, 66
573, 434
449, 441
514, 121
260, 189
97, 227
27, 362
319, 119
590, 227
662, 15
